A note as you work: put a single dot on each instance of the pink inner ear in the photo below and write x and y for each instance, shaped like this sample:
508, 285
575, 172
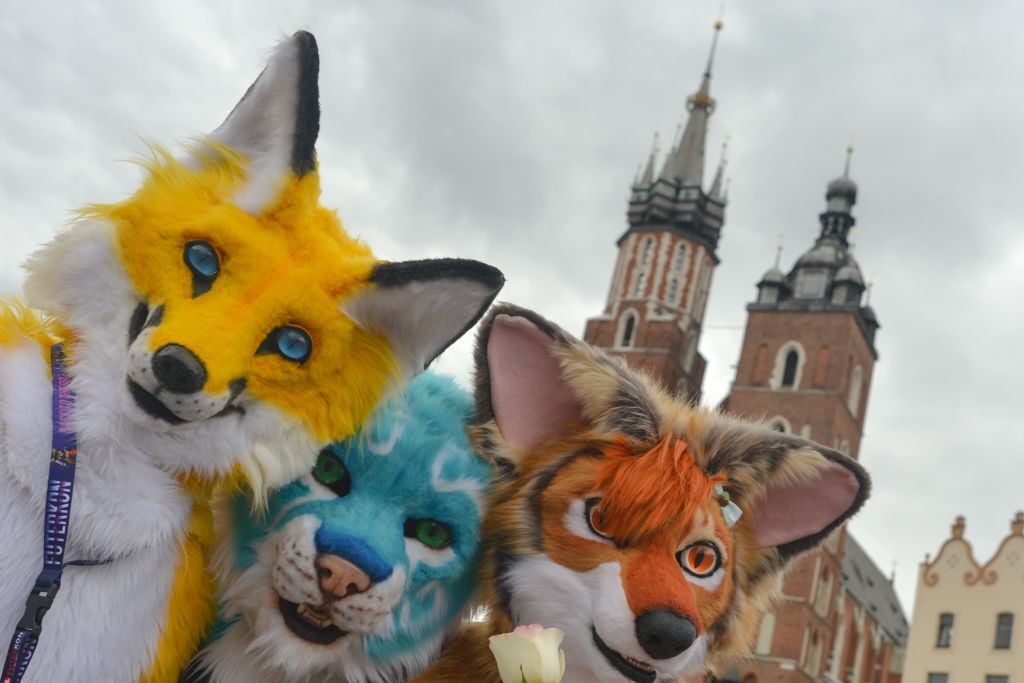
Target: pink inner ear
531, 400
795, 510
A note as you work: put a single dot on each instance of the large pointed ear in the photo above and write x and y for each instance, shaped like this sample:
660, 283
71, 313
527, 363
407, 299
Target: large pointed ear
519, 381
535, 381
794, 491
275, 125
421, 307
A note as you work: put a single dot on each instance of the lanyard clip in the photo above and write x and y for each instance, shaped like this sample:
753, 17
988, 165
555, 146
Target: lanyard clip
39, 602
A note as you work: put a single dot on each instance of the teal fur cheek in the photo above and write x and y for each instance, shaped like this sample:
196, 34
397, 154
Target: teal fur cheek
250, 528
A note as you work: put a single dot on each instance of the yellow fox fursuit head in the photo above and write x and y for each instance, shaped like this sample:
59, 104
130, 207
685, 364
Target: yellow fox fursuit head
220, 328
651, 532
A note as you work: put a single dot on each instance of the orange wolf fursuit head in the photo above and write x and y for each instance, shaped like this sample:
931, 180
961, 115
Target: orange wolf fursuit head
614, 516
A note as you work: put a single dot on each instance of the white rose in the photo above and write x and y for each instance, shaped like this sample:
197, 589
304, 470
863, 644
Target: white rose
530, 654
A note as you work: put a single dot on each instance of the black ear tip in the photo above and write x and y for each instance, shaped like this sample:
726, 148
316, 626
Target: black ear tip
307, 116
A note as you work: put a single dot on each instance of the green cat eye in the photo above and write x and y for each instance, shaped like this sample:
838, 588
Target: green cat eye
434, 535
332, 473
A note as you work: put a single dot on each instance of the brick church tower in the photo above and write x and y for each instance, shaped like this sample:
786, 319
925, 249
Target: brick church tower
805, 365
659, 289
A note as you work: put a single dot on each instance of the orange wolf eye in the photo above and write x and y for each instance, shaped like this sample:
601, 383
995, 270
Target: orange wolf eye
594, 518
701, 559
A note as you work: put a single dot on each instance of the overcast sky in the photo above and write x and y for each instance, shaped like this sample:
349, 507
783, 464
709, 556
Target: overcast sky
510, 131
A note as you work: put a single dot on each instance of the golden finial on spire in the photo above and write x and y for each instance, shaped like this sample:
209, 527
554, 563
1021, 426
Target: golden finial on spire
849, 155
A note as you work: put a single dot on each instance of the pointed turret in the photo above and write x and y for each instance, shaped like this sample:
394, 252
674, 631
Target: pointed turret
826, 276
648, 176
686, 165
717, 191
674, 198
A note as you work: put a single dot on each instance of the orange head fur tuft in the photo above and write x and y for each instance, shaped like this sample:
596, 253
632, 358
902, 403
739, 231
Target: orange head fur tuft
652, 493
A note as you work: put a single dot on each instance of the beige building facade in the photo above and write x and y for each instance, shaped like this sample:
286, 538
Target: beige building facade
966, 625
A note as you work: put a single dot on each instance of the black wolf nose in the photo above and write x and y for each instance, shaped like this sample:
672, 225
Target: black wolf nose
664, 634
178, 370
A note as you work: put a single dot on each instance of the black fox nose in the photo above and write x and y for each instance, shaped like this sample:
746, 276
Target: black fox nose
178, 370
664, 634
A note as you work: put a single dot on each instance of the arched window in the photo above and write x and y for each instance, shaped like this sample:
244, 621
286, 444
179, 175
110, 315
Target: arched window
677, 261
789, 366
789, 372
641, 280
780, 424
648, 249
628, 327
673, 289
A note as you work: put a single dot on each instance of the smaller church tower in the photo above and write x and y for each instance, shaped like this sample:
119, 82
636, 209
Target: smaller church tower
806, 365
655, 307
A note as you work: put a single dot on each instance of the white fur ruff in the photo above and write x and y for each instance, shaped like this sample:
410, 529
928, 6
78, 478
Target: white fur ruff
545, 592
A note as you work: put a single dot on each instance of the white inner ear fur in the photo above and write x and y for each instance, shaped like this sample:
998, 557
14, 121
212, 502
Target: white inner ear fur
261, 127
420, 318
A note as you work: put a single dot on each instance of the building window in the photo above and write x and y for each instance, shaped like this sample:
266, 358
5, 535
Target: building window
789, 366
648, 248
938, 678
789, 372
641, 280
628, 327
1004, 631
780, 424
673, 289
945, 637
998, 678
677, 262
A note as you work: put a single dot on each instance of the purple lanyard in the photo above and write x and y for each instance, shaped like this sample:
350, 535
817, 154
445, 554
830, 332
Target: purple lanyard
55, 525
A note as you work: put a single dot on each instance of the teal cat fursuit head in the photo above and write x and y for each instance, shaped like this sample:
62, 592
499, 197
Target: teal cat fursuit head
360, 570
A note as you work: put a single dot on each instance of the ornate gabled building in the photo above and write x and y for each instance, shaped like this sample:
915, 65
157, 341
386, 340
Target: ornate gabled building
966, 613
659, 291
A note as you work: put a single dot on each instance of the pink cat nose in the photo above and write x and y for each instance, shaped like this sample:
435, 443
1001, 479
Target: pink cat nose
339, 578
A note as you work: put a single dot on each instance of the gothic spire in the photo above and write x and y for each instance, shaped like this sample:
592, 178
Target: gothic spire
686, 164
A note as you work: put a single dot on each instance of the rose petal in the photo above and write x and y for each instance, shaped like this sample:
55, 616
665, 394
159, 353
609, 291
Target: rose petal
517, 657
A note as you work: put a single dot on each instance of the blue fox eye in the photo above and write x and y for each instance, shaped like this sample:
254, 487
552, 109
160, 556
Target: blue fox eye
202, 259
294, 344
291, 343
